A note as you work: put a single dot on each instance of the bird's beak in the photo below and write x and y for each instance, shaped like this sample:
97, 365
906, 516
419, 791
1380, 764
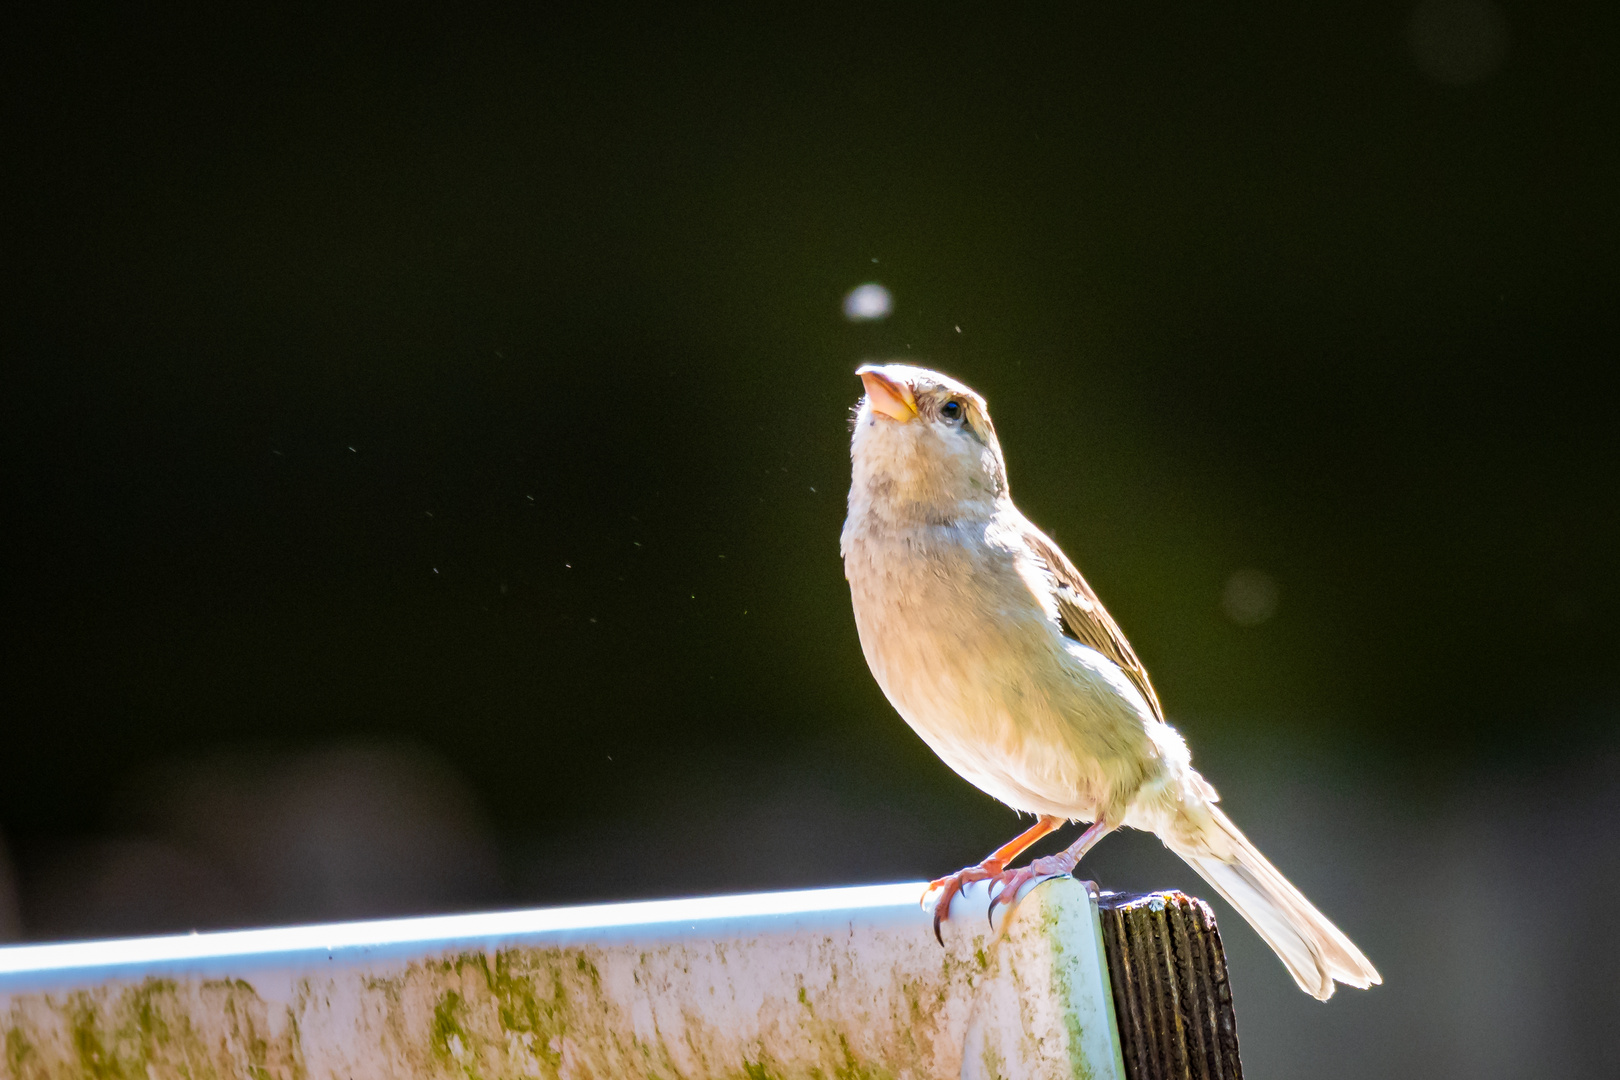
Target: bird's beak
888, 396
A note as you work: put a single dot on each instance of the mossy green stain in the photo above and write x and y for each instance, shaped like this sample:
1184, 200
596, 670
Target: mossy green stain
585, 965
295, 1038
153, 1029
518, 1008
240, 997
537, 994
851, 1069
19, 1051
532, 997
87, 1044
991, 1060
447, 1026
1063, 991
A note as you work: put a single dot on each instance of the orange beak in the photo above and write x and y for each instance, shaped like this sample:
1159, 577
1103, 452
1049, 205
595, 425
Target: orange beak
888, 396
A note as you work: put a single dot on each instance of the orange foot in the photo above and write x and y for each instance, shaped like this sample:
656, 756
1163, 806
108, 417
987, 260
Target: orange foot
1004, 890
993, 866
1004, 883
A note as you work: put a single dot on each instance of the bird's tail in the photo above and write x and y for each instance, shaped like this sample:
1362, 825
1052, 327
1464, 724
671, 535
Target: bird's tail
1314, 950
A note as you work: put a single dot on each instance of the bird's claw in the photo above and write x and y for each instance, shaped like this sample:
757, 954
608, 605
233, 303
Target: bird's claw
1004, 889
1004, 885
951, 884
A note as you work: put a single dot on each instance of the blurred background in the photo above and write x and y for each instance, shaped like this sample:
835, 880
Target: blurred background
426, 441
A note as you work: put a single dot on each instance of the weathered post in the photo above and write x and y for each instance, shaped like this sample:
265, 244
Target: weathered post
1172, 1001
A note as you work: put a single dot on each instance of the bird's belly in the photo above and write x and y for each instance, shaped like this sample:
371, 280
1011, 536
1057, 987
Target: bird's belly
999, 697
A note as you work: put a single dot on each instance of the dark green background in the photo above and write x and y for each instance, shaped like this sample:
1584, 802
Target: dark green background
479, 384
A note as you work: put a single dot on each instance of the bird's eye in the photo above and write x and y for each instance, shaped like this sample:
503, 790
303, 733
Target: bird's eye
951, 411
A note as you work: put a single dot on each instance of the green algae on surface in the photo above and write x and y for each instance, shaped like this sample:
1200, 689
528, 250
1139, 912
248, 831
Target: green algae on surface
154, 1028
855, 1003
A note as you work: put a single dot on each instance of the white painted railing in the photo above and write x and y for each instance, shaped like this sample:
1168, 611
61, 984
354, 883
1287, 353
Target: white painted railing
826, 983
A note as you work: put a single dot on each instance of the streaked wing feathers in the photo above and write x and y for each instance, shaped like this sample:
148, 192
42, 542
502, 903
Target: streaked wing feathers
1083, 617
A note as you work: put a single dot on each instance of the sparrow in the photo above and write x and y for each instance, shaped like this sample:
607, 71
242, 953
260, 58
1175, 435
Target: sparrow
996, 651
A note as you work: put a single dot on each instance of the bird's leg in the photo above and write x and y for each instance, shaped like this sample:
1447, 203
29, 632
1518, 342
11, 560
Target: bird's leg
1064, 862
994, 865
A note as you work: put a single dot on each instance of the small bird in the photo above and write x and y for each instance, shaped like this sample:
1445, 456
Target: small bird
995, 650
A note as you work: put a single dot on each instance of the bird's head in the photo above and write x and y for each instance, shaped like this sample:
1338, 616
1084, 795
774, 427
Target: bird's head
923, 443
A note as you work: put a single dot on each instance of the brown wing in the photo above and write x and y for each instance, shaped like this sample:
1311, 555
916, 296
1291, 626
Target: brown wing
1083, 617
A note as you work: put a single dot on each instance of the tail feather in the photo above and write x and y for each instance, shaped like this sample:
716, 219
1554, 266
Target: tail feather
1315, 951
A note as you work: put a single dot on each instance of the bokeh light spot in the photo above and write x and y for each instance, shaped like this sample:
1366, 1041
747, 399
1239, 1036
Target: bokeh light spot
868, 302
1250, 597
